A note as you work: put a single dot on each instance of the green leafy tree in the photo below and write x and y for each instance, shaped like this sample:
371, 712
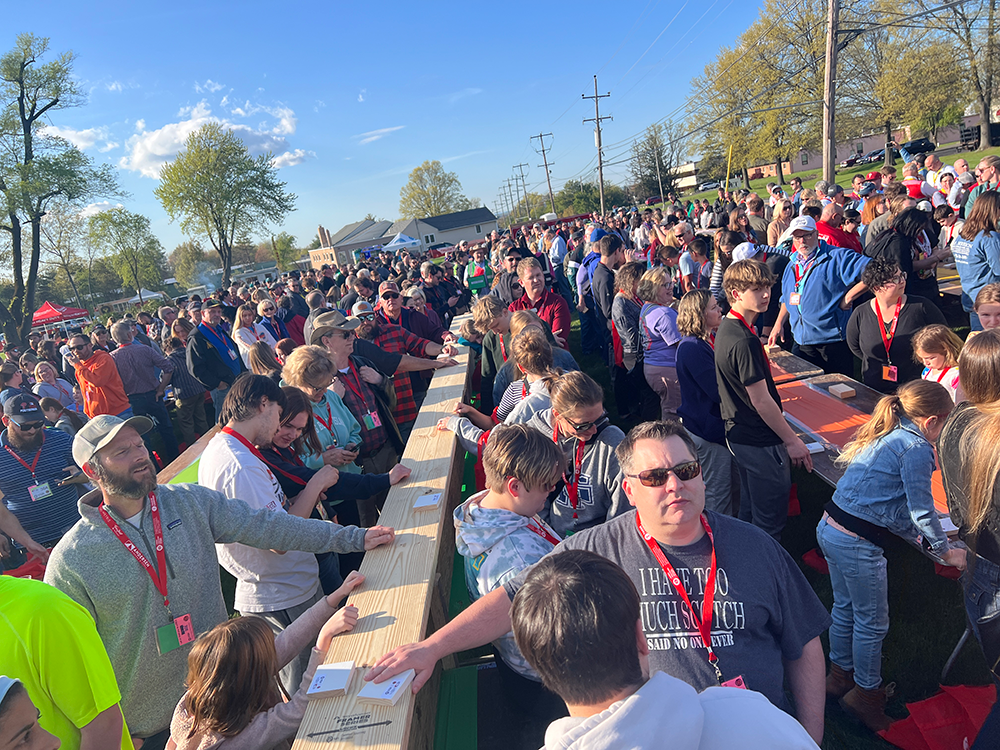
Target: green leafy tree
219, 191
284, 251
579, 197
431, 191
133, 250
191, 264
37, 170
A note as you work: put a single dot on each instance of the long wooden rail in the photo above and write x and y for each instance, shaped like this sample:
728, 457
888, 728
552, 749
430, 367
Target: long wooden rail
406, 587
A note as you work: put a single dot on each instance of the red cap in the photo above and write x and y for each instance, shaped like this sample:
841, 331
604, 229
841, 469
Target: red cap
874, 176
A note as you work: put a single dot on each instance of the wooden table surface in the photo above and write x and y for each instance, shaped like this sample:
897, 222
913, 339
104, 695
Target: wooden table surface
785, 366
401, 580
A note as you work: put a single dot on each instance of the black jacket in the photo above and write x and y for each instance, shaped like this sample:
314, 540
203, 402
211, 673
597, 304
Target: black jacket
385, 394
205, 362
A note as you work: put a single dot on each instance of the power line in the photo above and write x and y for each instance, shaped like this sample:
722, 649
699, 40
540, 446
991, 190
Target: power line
597, 119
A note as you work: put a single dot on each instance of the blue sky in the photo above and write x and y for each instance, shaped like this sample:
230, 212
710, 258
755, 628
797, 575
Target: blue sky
350, 97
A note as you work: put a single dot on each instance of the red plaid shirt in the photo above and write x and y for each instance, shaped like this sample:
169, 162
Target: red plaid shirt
397, 340
360, 399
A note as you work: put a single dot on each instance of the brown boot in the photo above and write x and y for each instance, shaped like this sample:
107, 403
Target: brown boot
868, 706
839, 681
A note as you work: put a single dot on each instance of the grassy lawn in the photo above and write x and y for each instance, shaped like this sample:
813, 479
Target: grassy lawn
926, 613
844, 176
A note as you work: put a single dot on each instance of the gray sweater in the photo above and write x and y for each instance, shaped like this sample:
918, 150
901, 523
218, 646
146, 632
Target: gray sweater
94, 568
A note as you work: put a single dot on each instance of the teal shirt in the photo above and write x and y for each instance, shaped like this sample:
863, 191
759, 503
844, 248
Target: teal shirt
343, 429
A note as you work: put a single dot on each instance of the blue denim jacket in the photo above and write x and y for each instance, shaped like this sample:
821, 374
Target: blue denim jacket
889, 485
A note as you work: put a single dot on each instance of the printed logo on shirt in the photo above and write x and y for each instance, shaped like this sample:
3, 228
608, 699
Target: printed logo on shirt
586, 496
173, 524
666, 619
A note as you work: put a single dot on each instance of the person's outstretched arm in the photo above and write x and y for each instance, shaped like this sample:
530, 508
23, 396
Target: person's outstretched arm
807, 679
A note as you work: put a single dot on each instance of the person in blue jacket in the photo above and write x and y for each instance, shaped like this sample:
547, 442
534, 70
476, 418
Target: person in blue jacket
817, 289
698, 317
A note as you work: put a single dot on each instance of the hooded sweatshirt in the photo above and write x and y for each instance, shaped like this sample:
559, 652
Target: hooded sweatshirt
497, 545
719, 718
94, 568
601, 497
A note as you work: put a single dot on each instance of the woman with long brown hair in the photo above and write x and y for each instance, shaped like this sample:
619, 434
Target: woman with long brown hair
970, 469
977, 251
232, 684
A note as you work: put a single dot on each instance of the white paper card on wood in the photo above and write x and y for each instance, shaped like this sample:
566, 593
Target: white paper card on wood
815, 447
331, 680
386, 693
427, 502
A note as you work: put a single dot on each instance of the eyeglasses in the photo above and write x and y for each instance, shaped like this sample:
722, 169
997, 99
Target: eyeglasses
658, 477
78, 347
365, 316
346, 334
584, 426
29, 426
390, 295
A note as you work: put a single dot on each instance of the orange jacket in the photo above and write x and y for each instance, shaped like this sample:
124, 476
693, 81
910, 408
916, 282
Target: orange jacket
103, 392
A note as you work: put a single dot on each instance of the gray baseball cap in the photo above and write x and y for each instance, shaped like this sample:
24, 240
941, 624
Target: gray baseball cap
100, 431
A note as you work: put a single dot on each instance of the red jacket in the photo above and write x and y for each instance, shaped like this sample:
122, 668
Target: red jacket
551, 308
838, 237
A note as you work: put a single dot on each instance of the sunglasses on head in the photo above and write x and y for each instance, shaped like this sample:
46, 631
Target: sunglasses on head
658, 477
29, 426
584, 426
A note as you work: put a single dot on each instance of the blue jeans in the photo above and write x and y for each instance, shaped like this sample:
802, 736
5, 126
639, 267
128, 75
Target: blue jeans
982, 605
860, 603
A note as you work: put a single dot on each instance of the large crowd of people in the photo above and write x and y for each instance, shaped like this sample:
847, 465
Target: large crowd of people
632, 580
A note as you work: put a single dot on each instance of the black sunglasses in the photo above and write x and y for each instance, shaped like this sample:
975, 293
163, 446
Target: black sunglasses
658, 477
584, 426
390, 295
365, 316
78, 347
29, 426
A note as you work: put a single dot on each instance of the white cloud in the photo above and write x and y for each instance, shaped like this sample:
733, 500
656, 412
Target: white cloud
140, 125
452, 98
95, 208
114, 86
82, 139
109, 146
320, 104
361, 96
291, 158
462, 156
149, 150
374, 135
208, 87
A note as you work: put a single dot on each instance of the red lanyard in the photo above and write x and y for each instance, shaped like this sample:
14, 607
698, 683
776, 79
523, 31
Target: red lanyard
744, 321
35, 462
503, 349
524, 390
572, 488
939, 379
159, 574
538, 527
298, 480
887, 338
800, 281
359, 391
328, 424
247, 444
704, 622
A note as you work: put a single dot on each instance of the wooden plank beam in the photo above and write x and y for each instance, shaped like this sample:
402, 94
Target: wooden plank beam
400, 581
188, 457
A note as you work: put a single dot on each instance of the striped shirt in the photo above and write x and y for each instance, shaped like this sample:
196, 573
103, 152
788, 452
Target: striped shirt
47, 519
137, 365
185, 384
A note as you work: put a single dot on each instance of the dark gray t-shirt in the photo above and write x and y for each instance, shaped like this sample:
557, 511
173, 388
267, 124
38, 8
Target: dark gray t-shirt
764, 608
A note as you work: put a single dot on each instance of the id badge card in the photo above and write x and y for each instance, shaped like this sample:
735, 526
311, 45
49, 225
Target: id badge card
39, 491
232, 354
372, 420
890, 373
736, 682
174, 635
794, 298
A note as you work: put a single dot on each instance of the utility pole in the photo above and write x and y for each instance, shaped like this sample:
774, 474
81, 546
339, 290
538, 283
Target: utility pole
503, 200
545, 164
829, 102
510, 197
656, 156
597, 135
517, 193
527, 206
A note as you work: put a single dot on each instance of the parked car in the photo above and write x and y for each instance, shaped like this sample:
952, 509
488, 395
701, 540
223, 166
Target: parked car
850, 161
708, 186
653, 200
867, 158
919, 146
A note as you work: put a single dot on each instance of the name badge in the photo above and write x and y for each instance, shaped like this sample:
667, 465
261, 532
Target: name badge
372, 420
736, 682
794, 298
232, 354
39, 491
174, 635
889, 373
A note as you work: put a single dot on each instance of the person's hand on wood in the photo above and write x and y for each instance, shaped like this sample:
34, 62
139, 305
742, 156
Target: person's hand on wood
777, 334
799, 455
442, 363
416, 656
398, 473
376, 536
955, 557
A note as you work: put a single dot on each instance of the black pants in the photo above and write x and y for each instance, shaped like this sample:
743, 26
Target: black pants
833, 357
149, 405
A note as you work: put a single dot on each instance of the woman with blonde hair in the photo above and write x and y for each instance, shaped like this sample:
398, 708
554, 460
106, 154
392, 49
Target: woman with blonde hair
234, 697
970, 469
660, 337
247, 332
784, 212
885, 491
48, 384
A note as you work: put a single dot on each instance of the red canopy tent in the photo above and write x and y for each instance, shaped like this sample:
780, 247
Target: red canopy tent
49, 313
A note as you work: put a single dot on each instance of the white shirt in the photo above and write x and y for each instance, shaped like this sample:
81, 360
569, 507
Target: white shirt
265, 580
247, 336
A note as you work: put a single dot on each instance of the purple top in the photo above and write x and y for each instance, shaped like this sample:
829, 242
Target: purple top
659, 335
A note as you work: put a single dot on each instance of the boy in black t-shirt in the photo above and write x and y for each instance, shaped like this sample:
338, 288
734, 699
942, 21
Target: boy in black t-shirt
760, 439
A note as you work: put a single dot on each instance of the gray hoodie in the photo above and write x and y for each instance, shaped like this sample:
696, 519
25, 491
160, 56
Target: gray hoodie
719, 718
94, 568
497, 545
601, 496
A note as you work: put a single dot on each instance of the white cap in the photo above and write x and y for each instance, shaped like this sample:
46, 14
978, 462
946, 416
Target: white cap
746, 251
802, 223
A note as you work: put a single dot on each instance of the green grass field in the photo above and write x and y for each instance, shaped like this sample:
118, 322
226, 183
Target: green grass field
844, 176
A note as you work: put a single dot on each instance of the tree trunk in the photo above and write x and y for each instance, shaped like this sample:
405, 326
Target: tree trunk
984, 123
72, 283
746, 178
781, 174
